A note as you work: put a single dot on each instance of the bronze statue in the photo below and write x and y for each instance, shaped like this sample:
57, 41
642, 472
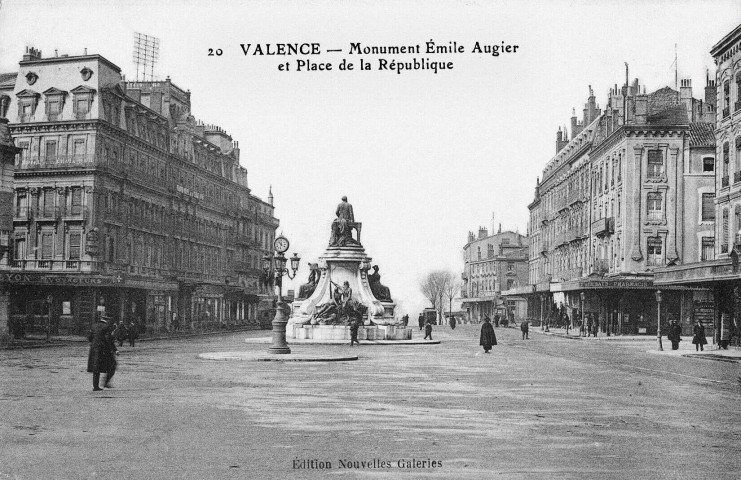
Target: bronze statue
341, 309
308, 288
380, 291
342, 226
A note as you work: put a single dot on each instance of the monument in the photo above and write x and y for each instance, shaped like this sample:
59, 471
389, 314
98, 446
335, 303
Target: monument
340, 290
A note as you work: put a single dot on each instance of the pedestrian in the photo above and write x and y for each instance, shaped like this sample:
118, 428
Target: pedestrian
452, 322
567, 322
421, 321
525, 327
487, 337
121, 333
590, 324
497, 318
428, 330
102, 356
596, 327
675, 334
133, 333
698, 337
354, 326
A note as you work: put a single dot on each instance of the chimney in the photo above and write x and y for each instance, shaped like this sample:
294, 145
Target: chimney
685, 96
483, 232
31, 54
711, 93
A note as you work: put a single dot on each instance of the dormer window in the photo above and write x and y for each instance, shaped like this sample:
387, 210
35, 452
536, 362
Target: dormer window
54, 103
82, 102
28, 100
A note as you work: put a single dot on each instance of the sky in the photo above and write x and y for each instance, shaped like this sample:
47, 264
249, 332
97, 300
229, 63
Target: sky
424, 158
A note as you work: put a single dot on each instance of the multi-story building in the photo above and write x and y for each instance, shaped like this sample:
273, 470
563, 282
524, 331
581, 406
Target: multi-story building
629, 193
493, 263
8, 151
122, 198
720, 272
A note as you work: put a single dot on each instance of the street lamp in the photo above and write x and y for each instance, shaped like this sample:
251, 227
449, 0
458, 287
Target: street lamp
278, 268
658, 318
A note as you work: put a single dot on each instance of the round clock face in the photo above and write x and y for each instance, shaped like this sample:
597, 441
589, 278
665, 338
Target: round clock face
281, 244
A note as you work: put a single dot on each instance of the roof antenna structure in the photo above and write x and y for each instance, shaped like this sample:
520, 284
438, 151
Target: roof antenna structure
146, 54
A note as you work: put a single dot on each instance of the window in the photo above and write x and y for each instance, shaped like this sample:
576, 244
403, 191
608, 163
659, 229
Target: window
76, 201
478, 248
708, 248
19, 249
655, 206
708, 207
654, 251
726, 158
510, 266
708, 164
74, 245
79, 148
655, 163
51, 150
4, 105
110, 249
53, 108
46, 244
726, 98
82, 107
48, 202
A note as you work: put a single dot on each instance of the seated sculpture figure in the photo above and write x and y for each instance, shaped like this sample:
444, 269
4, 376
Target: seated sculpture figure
342, 226
380, 291
339, 309
308, 288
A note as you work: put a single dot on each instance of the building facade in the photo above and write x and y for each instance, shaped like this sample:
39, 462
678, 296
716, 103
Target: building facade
629, 193
123, 200
720, 272
493, 263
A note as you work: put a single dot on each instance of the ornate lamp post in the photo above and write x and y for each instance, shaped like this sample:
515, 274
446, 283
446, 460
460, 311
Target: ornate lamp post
658, 318
276, 265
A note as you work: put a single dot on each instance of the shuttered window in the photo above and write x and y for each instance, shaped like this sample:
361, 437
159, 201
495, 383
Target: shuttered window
708, 207
74, 246
46, 245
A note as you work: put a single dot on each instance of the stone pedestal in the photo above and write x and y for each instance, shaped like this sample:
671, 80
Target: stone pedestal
342, 332
339, 265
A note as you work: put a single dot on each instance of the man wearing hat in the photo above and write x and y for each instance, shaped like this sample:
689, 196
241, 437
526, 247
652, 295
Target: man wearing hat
102, 356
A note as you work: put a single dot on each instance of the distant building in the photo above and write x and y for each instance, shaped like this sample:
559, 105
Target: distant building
121, 197
8, 151
493, 263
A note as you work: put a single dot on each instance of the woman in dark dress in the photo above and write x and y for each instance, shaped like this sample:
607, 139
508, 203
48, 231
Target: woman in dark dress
488, 337
698, 338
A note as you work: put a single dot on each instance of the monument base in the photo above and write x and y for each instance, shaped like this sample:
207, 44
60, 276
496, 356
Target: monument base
342, 332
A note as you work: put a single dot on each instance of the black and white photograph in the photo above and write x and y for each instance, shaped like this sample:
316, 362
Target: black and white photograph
442, 239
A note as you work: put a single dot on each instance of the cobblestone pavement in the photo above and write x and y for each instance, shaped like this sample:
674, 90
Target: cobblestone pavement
547, 407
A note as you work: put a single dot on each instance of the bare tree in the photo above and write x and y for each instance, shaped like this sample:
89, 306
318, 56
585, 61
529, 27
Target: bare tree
434, 287
451, 290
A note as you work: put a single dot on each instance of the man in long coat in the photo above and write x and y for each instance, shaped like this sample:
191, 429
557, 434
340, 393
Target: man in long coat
488, 337
674, 336
698, 337
102, 356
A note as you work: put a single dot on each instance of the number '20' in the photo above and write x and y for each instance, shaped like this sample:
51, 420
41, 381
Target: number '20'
217, 52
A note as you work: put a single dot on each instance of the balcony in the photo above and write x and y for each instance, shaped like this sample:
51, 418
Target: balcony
601, 266
50, 264
571, 273
603, 226
56, 161
724, 181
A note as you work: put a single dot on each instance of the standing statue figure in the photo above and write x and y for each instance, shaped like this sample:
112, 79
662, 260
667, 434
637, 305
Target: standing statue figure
308, 288
338, 309
381, 292
342, 226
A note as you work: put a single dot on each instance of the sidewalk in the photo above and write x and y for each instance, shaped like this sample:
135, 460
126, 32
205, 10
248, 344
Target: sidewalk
38, 340
686, 348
